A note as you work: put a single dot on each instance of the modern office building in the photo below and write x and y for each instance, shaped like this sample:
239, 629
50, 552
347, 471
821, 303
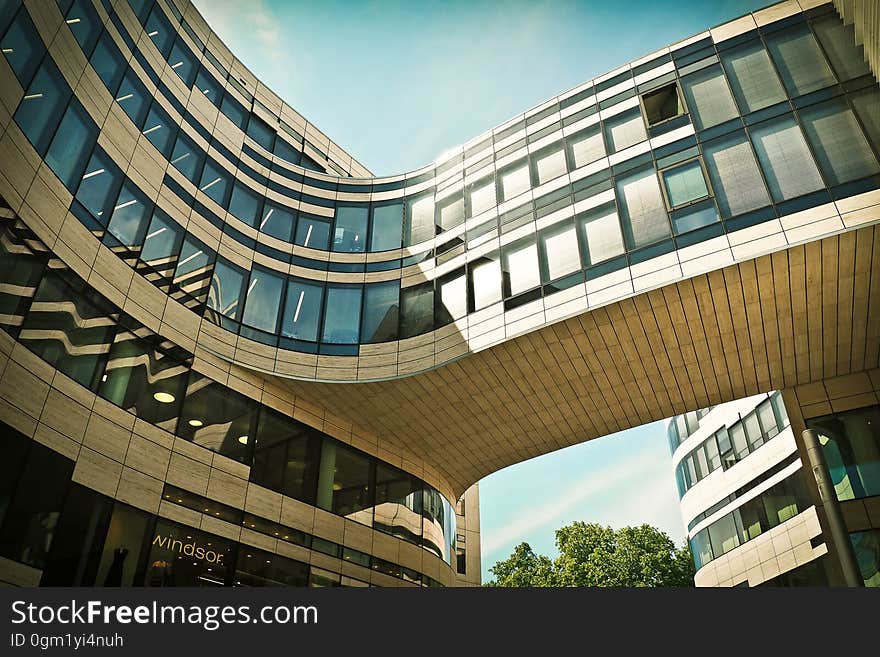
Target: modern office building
744, 499
231, 355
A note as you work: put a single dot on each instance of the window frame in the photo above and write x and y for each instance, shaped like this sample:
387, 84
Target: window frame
710, 192
681, 99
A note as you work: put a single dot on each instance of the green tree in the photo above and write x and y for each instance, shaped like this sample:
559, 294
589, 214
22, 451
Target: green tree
593, 555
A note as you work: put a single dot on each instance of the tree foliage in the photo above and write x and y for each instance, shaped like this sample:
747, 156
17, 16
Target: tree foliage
593, 555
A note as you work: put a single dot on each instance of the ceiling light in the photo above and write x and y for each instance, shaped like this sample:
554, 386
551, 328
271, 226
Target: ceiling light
243, 440
195, 423
163, 397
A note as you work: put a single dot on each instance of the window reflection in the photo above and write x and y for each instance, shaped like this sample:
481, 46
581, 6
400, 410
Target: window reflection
521, 272
226, 291
385, 229
559, 252
350, 229
263, 299
217, 418
344, 482
277, 221
586, 146
419, 220
398, 509
624, 130
600, 232
481, 196
245, 204
451, 298
450, 212
302, 310
342, 314
380, 316
416, 310
312, 232
128, 223
486, 281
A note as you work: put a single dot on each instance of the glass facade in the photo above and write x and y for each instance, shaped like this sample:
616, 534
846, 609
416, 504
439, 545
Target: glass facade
77, 331
851, 443
782, 121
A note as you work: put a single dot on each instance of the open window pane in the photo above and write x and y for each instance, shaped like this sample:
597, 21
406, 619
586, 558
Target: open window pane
662, 104
785, 159
837, 140
752, 78
302, 310
709, 97
641, 206
736, 179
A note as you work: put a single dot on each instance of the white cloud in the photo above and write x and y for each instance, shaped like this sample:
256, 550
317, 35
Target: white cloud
647, 500
250, 20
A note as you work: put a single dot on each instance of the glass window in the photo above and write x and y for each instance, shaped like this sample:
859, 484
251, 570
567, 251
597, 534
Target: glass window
684, 183
159, 29
767, 418
851, 443
70, 330
216, 183
226, 290
600, 232
130, 217
641, 208
342, 314
187, 157
439, 519
839, 43
22, 47
244, 204
662, 104
193, 272
514, 181
841, 149
159, 129
709, 97
166, 567
285, 151
549, 163
752, 518
738, 440
312, 232
416, 310
350, 229
486, 281
72, 145
785, 158
143, 380
277, 220
586, 146
302, 310
218, 418
736, 179
263, 299
259, 568
286, 455
800, 62
419, 220
234, 111
385, 229
866, 545
779, 410
398, 509
450, 212
481, 196
31, 519
133, 98
723, 535
713, 458
344, 482
751, 76
84, 23
559, 252
123, 546
625, 129
162, 242
521, 271
183, 62
701, 548
108, 62
379, 321
260, 132
753, 431
208, 85
41, 108
450, 298
99, 186
867, 106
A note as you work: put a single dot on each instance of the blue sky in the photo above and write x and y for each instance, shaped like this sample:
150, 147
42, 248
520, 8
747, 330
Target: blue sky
397, 83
